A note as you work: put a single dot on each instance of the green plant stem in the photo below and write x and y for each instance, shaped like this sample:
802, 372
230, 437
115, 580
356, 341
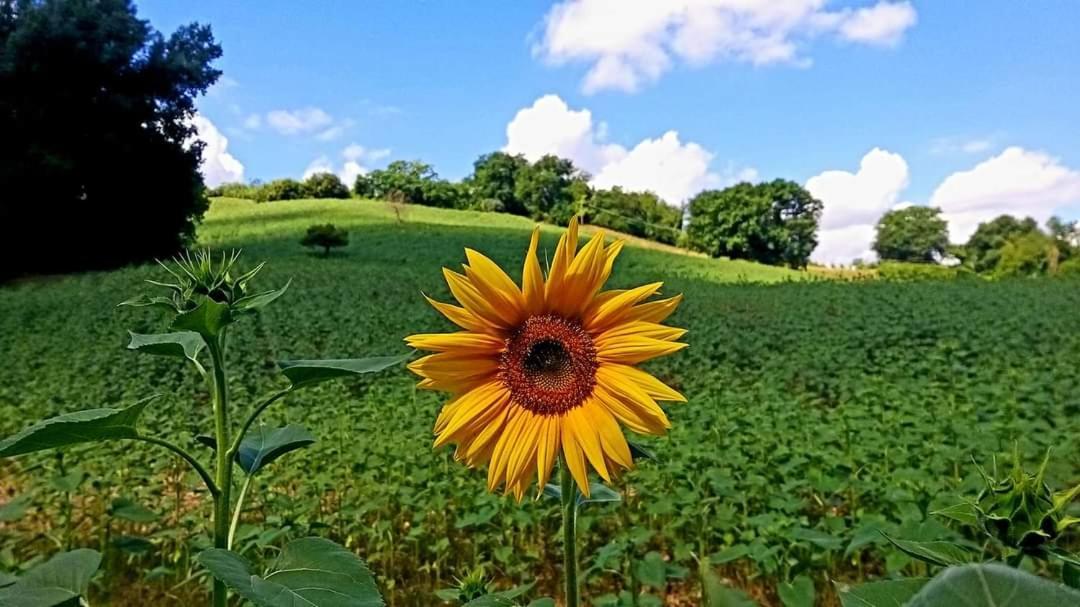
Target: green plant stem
223, 472
569, 512
237, 510
187, 457
234, 448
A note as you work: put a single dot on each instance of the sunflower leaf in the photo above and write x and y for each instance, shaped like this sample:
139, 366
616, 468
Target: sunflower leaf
303, 373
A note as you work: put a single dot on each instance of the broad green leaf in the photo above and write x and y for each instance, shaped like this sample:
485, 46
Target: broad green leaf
961, 513
132, 544
888, 593
207, 319
817, 538
651, 570
500, 599
639, 453
70, 482
599, 493
231, 569
304, 373
14, 509
731, 553
6, 579
553, 491
130, 510
992, 585
1070, 574
142, 301
309, 572
543, 602
62, 579
798, 593
943, 554
87, 426
254, 302
714, 593
264, 444
184, 344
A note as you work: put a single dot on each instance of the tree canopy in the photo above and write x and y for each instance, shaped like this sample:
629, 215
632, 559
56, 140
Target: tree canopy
98, 143
494, 179
773, 222
982, 252
914, 234
639, 213
550, 189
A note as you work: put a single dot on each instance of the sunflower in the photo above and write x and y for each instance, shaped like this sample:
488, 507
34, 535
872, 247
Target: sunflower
547, 369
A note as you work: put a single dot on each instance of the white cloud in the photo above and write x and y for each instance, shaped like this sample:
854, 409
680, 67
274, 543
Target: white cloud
665, 165
218, 165
253, 122
630, 43
299, 122
1016, 182
961, 145
354, 156
853, 202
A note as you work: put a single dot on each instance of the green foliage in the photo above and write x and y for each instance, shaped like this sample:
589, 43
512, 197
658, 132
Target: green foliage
773, 222
86, 87
281, 189
325, 236
310, 571
982, 253
61, 581
905, 271
494, 178
88, 426
992, 585
638, 213
264, 444
887, 593
913, 234
550, 189
1027, 255
401, 181
325, 185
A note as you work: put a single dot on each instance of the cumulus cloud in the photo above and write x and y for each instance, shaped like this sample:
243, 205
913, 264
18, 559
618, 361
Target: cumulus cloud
666, 166
853, 202
630, 43
354, 157
218, 165
1017, 182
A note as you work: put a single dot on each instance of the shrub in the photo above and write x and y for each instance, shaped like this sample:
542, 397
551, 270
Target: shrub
906, 271
280, 189
445, 194
325, 185
326, 237
641, 214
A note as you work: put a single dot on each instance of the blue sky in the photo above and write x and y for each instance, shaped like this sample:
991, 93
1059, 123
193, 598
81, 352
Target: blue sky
972, 106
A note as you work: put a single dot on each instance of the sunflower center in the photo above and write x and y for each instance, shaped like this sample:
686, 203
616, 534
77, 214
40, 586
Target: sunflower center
549, 365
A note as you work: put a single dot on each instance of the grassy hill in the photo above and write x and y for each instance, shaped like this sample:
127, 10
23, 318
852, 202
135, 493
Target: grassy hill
819, 413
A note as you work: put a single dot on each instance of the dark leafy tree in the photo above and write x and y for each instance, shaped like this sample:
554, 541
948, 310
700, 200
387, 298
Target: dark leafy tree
983, 250
549, 189
1028, 254
495, 178
97, 136
280, 189
325, 185
401, 181
325, 237
774, 222
638, 213
914, 234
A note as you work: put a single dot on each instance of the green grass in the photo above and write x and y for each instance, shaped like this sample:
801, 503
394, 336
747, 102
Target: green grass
818, 412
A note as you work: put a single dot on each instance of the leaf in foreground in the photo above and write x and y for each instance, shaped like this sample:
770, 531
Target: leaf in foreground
309, 372
182, 344
717, 594
888, 593
62, 579
993, 585
264, 444
86, 426
310, 571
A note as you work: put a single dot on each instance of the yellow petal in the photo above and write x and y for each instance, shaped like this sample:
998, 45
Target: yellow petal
523, 452
474, 301
654, 311
462, 341
484, 442
630, 416
498, 288
633, 349
546, 449
564, 256
578, 419
462, 317
532, 278
624, 389
500, 457
642, 329
606, 312
471, 412
573, 457
451, 366
612, 441
582, 279
649, 384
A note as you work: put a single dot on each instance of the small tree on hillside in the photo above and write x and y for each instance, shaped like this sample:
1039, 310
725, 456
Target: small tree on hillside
914, 234
325, 236
983, 250
325, 185
774, 222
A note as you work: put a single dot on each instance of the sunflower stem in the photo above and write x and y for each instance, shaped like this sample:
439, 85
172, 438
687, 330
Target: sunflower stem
569, 512
223, 468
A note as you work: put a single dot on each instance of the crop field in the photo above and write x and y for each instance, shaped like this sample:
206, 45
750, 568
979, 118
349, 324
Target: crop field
820, 414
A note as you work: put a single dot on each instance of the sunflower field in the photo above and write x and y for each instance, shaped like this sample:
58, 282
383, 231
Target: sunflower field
822, 418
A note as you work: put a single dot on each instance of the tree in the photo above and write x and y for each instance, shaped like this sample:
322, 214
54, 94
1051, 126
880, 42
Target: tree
638, 213
983, 250
915, 234
495, 178
326, 237
325, 185
774, 222
280, 189
99, 141
549, 189
401, 180
1026, 255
